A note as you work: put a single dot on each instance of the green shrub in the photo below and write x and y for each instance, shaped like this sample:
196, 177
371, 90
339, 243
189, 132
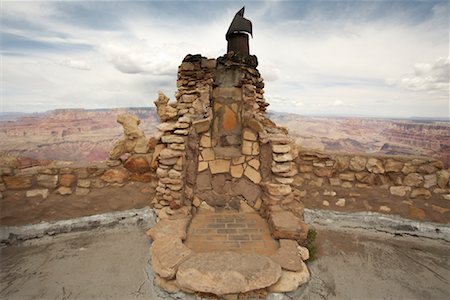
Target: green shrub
309, 243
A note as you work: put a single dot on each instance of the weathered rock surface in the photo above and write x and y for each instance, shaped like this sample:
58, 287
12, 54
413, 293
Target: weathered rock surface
115, 176
413, 179
399, 190
223, 273
358, 163
285, 225
167, 253
288, 256
137, 164
290, 281
169, 228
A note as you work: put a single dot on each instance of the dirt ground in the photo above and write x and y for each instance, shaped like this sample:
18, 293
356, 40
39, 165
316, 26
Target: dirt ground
111, 264
16, 209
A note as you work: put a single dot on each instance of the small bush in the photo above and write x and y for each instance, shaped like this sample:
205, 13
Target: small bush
309, 243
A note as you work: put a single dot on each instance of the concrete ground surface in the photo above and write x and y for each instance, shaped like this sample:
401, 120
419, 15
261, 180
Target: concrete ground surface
111, 263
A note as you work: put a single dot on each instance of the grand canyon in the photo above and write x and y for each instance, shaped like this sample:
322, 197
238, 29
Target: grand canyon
87, 135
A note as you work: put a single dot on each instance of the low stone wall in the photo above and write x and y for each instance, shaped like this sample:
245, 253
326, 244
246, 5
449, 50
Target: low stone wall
335, 179
67, 178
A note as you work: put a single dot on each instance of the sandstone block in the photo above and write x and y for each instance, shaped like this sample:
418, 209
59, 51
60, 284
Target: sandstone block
284, 180
238, 160
202, 125
409, 168
167, 228
348, 176
304, 168
323, 171
202, 166
357, 163
18, 182
208, 154
167, 254
443, 178
413, 179
335, 181
38, 192
247, 147
172, 138
430, 180
281, 148
67, 180
427, 169
254, 163
170, 153
169, 285
277, 189
249, 135
340, 202
48, 181
247, 189
252, 174
375, 166
285, 225
342, 163
420, 192
384, 209
256, 126
115, 176
288, 256
137, 164
84, 183
393, 166
366, 177
63, 190
219, 166
281, 167
205, 141
290, 281
282, 157
399, 190
166, 126
236, 171
223, 273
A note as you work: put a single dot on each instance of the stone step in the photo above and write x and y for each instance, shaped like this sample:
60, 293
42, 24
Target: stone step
223, 273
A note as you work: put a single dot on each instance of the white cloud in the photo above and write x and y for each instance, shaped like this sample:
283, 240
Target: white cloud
338, 103
75, 64
428, 77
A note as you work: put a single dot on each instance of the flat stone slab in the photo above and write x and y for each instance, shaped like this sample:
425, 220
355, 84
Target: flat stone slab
290, 281
169, 228
285, 225
167, 254
223, 273
288, 256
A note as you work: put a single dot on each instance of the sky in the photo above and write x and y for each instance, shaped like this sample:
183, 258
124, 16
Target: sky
339, 58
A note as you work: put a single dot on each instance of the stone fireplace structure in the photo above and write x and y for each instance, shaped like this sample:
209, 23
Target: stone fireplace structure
218, 152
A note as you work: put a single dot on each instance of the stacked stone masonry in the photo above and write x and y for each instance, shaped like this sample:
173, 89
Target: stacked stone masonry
401, 178
67, 178
219, 147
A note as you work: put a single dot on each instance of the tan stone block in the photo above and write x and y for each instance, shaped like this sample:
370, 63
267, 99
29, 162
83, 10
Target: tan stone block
254, 163
208, 154
219, 166
249, 135
202, 125
203, 165
236, 171
238, 160
252, 174
255, 148
281, 148
67, 180
247, 147
205, 141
